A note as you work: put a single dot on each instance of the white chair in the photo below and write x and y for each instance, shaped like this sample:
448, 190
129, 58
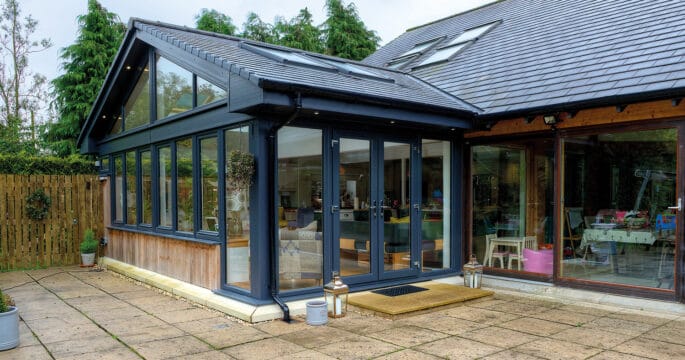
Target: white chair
491, 253
530, 242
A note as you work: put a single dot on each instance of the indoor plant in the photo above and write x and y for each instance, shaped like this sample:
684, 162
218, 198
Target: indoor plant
88, 248
9, 323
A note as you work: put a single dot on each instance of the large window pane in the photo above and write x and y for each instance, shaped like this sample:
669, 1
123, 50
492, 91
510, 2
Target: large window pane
118, 189
210, 183
164, 155
184, 185
131, 188
174, 89
498, 185
208, 92
354, 184
237, 217
435, 204
146, 189
617, 226
137, 107
300, 190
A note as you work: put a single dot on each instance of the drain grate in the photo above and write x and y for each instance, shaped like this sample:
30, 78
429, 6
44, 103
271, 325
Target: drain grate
399, 290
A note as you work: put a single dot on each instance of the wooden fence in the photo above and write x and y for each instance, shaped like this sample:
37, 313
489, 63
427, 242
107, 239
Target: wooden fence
76, 205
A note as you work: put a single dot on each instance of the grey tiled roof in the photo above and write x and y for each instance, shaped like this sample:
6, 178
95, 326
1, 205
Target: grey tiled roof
550, 53
264, 71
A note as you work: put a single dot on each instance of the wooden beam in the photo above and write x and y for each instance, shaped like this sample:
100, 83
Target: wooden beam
646, 111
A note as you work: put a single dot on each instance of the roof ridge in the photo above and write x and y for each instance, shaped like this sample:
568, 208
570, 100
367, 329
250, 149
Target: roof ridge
474, 108
455, 15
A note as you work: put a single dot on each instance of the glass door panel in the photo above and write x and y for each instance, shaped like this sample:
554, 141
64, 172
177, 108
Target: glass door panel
354, 174
395, 197
618, 224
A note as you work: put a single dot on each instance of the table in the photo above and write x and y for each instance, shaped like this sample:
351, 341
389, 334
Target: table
644, 237
516, 242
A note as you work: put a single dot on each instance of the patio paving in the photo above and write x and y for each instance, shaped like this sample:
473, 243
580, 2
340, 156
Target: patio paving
74, 313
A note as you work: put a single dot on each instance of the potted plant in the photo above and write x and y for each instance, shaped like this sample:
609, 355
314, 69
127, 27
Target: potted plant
240, 169
9, 323
88, 248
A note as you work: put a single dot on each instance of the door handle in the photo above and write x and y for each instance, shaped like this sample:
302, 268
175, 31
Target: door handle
335, 209
679, 206
372, 208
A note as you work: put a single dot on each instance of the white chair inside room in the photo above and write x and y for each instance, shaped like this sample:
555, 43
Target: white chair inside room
530, 242
492, 253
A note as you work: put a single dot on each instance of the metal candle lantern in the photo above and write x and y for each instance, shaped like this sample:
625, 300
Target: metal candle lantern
336, 297
473, 273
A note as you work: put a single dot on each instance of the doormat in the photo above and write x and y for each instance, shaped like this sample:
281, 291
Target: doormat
435, 295
399, 290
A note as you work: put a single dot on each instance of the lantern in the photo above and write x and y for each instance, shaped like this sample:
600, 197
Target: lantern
336, 297
473, 273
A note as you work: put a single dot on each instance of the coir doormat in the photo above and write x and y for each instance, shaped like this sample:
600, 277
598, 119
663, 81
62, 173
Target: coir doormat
399, 290
435, 295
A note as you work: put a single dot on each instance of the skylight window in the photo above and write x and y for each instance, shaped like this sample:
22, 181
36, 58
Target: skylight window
350, 69
419, 48
443, 54
285, 56
398, 63
472, 34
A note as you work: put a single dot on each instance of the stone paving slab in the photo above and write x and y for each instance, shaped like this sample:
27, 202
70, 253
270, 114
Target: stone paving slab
73, 313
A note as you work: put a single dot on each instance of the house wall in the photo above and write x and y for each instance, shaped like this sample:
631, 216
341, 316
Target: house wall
193, 262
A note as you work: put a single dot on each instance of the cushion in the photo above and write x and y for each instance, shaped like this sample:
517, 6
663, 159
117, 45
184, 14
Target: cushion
310, 227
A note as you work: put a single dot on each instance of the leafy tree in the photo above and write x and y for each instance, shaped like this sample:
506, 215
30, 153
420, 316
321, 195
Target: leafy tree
21, 91
256, 29
299, 32
345, 33
212, 20
86, 63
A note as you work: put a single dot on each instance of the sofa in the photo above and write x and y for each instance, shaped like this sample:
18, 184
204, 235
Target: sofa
300, 254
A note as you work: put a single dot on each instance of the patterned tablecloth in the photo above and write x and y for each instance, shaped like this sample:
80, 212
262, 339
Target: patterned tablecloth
618, 235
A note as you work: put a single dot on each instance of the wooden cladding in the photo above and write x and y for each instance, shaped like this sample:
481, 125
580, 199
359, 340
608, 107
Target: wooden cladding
646, 111
189, 261
76, 205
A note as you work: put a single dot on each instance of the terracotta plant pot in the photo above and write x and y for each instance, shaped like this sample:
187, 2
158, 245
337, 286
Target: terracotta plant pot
9, 329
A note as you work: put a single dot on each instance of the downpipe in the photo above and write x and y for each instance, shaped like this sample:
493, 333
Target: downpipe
272, 206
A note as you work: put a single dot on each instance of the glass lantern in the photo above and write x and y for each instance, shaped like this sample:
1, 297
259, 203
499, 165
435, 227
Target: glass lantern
473, 273
336, 297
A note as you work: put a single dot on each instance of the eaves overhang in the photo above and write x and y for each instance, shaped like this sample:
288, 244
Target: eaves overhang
488, 119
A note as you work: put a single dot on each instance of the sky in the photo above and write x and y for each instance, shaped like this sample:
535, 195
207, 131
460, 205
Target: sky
390, 18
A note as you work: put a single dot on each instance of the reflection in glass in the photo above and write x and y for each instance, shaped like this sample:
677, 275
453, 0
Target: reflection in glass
208, 92
354, 175
164, 154
137, 107
499, 196
210, 183
174, 89
617, 225
184, 185
435, 204
118, 189
396, 196
131, 188
300, 191
237, 217
146, 189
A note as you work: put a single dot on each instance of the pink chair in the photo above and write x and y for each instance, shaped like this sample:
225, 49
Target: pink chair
538, 261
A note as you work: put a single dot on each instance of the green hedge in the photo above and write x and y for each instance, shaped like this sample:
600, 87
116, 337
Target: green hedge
45, 165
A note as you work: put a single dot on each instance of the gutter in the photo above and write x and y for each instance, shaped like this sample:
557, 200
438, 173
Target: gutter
272, 206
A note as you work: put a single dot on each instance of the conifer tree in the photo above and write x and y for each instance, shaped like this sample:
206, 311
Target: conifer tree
345, 34
299, 33
85, 65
